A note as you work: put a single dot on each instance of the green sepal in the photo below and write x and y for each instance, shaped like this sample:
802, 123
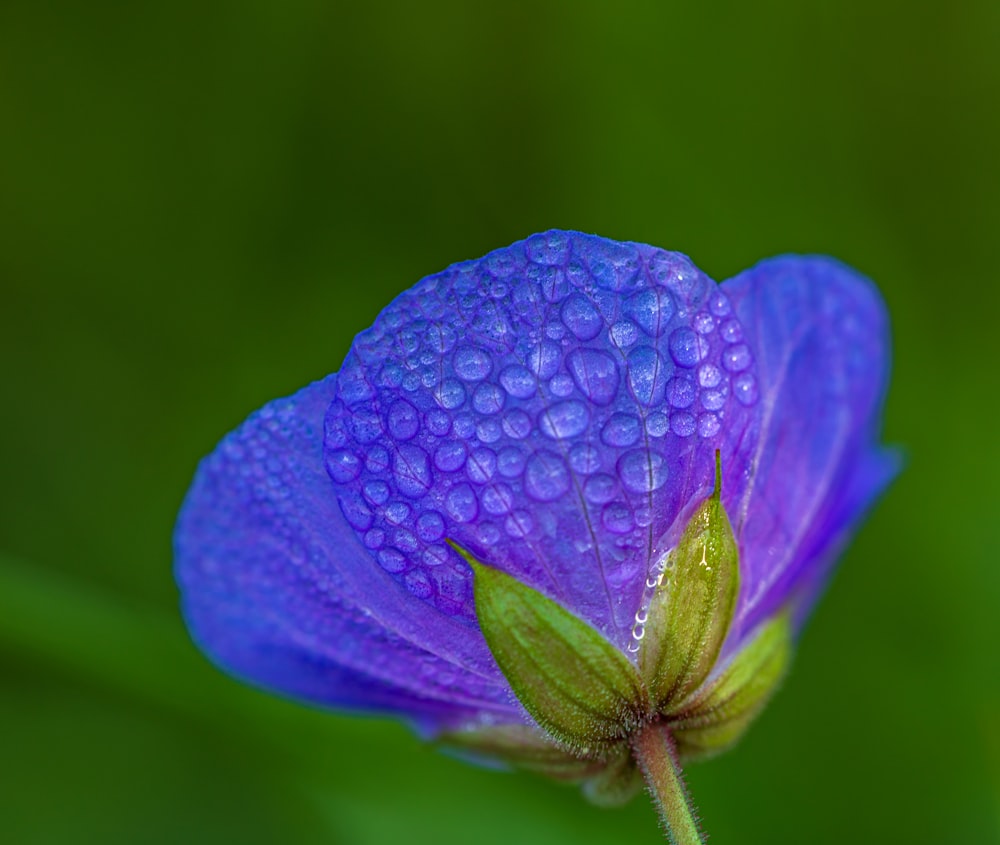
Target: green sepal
577, 686
690, 612
618, 781
714, 718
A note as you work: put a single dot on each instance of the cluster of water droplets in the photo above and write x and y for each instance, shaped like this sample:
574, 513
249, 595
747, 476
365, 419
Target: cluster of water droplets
532, 406
659, 572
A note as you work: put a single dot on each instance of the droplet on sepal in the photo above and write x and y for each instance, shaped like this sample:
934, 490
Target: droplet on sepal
689, 613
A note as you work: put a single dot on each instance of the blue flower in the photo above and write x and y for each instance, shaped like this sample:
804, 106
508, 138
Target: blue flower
555, 409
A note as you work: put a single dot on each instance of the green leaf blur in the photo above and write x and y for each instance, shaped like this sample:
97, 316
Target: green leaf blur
202, 203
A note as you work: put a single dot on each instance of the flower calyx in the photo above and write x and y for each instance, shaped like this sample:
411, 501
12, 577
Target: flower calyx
590, 701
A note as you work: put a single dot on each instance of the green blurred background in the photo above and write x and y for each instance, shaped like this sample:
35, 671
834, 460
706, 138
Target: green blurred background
201, 203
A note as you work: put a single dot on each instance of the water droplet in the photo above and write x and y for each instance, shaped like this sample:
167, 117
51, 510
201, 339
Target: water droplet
595, 373
647, 375
461, 503
450, 456
435, 555
430, 526
684, 347
365, 425
438, 423
564, 420
745, 388
546, 477
402, 420
555, 331
584, 459
703, 323
713, 400
519, 524
498, 499
683, 424
621, 430
709, 375
356, 512
464, 426
396, 513
352, 386
651, 309
481, 465
657, 424
343, 466
450, 394
404, 540
643, 517
441, 338
392, 560
600, 488
517, 424
617, 517
376, 492
548, 248
489, 398
518, 382
418, 584
488, 431
510, 462
737, 358
471, 363
581, 318
708, 425
489, 534
411, 381
390, 376
561, 385
623, 334
375, 538
718, 304
411, 469
681, 392
377, 460
552, 282
642, 471
732, 331
543, 360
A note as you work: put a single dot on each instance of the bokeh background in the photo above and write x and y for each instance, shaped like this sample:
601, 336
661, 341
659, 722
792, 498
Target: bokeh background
202, 202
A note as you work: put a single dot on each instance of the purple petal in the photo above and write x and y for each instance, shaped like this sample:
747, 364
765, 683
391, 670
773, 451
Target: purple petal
819, 334
279, 589
553, 408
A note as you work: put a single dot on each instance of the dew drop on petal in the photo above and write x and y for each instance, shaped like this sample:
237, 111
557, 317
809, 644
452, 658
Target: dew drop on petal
450, 456
461, 503
430, 526
564, 420
595, 374
392, 560
546, 477
343, 466
518, 382
581, 318
621, 430
481, 465
517, 424
708, 425
584, 459
737, 358
617, 517
403, 421
600, 488
471, 363
510, 462
642, 471
745, 388
411, 470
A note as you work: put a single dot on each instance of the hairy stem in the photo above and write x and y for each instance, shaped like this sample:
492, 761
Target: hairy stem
656, 757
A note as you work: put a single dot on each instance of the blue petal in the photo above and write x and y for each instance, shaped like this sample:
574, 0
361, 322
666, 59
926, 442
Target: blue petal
278, 589
819, 333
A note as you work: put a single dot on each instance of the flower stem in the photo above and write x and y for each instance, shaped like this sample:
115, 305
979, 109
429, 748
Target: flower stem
656, 756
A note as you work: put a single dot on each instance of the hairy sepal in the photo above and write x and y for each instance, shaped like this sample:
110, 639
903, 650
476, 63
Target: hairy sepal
576, 685
692, 608
715, 717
